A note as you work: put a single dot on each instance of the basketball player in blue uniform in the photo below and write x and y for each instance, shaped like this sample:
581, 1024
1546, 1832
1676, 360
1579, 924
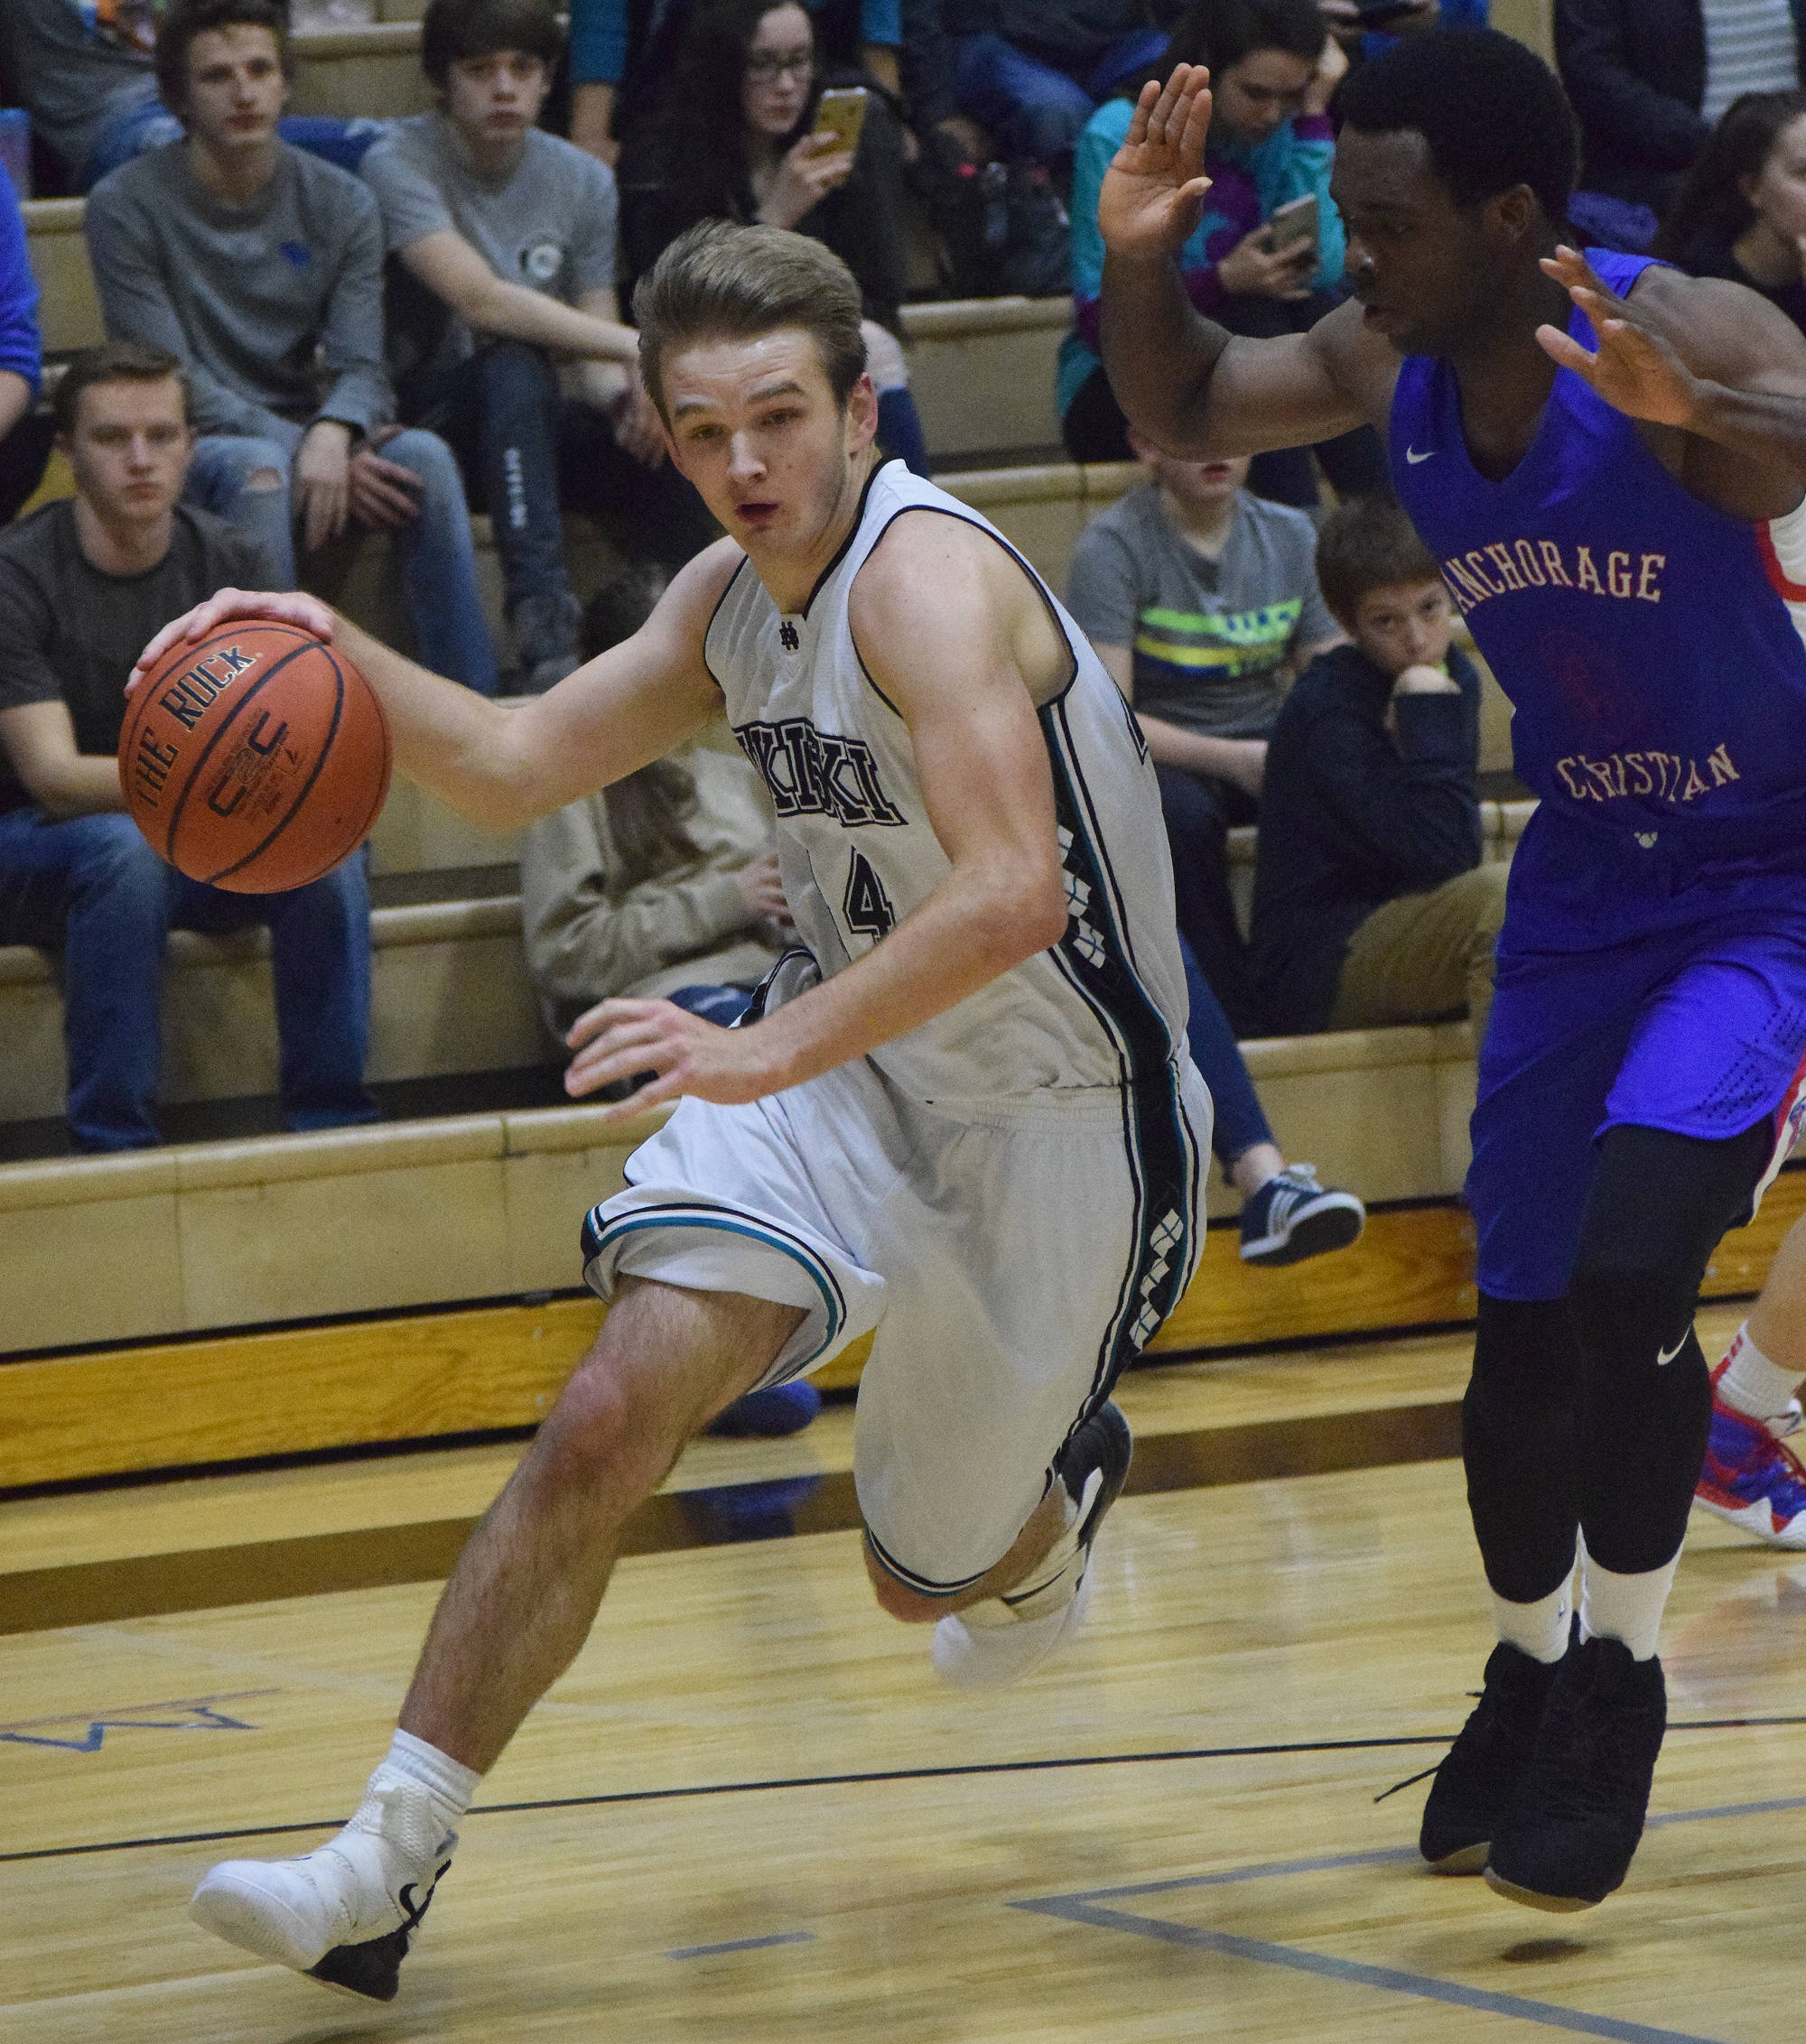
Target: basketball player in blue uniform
1608, 459
960, 1119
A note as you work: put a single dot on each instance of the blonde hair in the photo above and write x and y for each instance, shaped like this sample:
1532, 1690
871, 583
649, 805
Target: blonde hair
722, 282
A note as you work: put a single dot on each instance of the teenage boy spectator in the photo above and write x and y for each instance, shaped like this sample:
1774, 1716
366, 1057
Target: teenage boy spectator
1650, 79
24, 441
85, 72
82, 582
252, 263
1201, 602
1370, 904
622, 51
1028, 71
506, 240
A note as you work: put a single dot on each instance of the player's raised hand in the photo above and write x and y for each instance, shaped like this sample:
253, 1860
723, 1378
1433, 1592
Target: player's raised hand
619, 1039
287, 606
1635, 369
1153, 192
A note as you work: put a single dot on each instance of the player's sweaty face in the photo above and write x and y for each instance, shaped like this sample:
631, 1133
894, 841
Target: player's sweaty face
1423, 267
755, 426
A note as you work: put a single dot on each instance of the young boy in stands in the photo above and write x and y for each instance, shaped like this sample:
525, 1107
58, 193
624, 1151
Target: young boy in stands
252, 261
80, 581
1203, 603
506, 241
1370, 904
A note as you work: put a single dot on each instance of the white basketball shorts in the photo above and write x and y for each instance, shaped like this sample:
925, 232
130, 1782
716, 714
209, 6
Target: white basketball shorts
1010, 1262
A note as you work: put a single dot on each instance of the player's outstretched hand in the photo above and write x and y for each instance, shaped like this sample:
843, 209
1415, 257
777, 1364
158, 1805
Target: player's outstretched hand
1635, 369
1153, 191
619, 1039
287, 606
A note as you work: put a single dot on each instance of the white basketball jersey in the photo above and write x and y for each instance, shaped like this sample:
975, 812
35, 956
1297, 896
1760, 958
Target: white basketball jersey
1104, 1007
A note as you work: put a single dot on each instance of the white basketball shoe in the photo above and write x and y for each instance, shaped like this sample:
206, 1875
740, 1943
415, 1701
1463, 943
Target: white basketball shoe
344, 1914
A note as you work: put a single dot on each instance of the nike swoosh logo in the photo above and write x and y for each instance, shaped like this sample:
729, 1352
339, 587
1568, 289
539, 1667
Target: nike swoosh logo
1668, 1355
1413, 456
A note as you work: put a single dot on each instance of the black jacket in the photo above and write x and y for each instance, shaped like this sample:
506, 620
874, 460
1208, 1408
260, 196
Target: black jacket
1351, 818
1635, 70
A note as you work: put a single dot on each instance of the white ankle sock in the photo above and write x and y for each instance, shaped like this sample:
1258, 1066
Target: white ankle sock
1752, 1384
1624, 1607
450, 1785
1539, 1629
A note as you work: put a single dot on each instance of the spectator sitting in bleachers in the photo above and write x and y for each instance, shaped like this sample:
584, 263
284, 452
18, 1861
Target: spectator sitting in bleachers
621, 54
1273, 66
1742, 212
1370, 904
733, 137
85, 72
1028, 73
1649, 80
662, 887
252, 262
24, 435
83, 583
505, 238
1201, 602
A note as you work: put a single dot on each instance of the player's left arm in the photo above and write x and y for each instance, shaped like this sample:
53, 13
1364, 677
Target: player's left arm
957, 641
1714, 363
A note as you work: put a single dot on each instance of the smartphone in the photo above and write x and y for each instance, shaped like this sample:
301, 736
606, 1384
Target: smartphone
842, 111
1293, 225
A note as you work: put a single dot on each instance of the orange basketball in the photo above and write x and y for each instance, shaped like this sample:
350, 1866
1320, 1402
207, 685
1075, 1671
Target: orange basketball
254, 759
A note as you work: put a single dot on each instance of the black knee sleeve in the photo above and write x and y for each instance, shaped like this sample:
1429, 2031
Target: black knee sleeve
1517, 1442
1658, 1206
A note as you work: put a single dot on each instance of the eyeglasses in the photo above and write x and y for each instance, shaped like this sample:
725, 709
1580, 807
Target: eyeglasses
768, 68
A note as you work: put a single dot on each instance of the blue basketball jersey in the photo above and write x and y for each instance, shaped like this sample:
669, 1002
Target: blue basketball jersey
1653, 649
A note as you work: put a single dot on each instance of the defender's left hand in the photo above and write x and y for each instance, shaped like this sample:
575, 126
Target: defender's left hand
618, 1040
1634, 370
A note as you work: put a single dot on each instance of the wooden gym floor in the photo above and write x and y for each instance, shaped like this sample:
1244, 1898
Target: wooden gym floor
749, 1814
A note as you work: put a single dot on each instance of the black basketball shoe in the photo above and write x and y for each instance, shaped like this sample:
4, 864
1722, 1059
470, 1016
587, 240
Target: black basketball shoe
1101, 1446
1579, 1812
1473, 1786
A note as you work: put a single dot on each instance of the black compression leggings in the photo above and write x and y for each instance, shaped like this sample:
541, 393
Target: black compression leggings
1591, 1411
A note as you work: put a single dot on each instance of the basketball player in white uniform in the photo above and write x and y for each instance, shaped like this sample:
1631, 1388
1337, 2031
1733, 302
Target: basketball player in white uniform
962, 1118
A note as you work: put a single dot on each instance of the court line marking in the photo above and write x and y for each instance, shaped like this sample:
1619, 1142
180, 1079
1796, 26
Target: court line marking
880, 1777
742, 1945
1088, 1908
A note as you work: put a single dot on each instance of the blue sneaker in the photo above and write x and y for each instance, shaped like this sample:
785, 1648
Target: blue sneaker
785, 1408
1749, 1477
1293, 1217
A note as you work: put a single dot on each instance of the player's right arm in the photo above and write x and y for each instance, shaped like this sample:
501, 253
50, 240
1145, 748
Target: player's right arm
503, 767
1188, 383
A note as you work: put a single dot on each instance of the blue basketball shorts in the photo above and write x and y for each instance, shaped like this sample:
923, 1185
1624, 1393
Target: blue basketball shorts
1695, 1024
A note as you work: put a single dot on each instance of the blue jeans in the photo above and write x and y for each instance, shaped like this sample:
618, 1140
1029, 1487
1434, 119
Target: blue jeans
150, 125
438, 559
91, 887
529, 453
1031, 109
1239, 1123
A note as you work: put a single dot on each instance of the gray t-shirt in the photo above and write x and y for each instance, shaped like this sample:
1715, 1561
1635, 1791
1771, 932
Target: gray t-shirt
549, 224
76, 71
1210, 638
275, 308
70, 632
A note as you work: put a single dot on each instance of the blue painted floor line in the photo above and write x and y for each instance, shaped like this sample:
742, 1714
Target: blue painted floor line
1088, 1908
742, 1945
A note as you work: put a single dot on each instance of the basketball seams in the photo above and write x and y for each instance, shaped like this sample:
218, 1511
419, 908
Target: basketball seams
147, 696
323, 753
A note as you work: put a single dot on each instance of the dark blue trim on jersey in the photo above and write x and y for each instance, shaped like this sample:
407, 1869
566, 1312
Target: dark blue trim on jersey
598, 1236
845, 546
925, 1585
745, 561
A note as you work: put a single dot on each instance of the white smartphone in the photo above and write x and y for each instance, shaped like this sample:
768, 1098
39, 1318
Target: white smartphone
842, 112
1293, 225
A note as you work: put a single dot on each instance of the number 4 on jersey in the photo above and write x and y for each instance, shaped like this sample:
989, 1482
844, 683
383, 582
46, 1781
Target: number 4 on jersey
868, 906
